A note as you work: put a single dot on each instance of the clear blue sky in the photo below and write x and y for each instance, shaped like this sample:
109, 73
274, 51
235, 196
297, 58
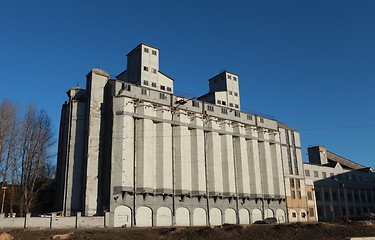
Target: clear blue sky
308, 63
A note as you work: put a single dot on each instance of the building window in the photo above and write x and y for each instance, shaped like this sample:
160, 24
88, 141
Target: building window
153, 84
162, 96
126, 87
224, 103
294, 215
146, 50
234, 78
316, 174
153, 52
162, 87
249, 117
230, 92
311, 212
210, 108
145, 91
237, 114
145, 82
236, 105
307, 173
292, 183
293, 194
261, 120
235, 94
169, 89
145, 68
218, 102
153, 70
229, 77
298, 183
195, 103
299, 195
324, 174
230, 104
224, 110
309, 195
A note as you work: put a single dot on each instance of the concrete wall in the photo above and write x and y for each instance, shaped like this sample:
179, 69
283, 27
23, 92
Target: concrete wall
54, 221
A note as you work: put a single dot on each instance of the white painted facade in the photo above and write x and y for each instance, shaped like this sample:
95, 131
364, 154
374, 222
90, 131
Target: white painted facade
152, 158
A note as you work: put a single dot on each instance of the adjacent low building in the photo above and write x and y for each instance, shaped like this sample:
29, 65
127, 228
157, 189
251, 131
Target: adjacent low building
337, 186
130, 146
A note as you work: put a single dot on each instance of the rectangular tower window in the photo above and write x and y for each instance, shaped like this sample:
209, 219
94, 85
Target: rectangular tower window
146, 50
230, 92
153, 84
235, 94
293, 194
218, 102
169, 89
249, 117
229, 77
126, 87
237, 114
145, 91
292, 183
145, 68
234, 78
230, 104
307, 173
299, 195
163, 96
195, 103
236, 105
145, 82
324, 174
162, 87
298, 183
316, 174
309, 195
210, 108
224, 103
153, 52
153, 70
224, 110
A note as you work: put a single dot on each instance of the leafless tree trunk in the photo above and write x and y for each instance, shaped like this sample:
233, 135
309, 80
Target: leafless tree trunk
36, 142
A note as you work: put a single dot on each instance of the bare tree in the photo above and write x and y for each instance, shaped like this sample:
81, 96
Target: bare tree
36, 141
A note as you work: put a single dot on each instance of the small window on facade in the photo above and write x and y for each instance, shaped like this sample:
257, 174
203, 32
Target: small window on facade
309, 195
236, 105
235, 94
146, 50
163, 96
230, 92
324, 174
293, 194
261, 120
224, 103
298, 183
237, 114
126, 87
153, 52
249, 117
145, 82
292, 183
230, 104
195, 103
153, 84
169, 89
299, 195
294, 215
307, 173
153, 70
224, 111
229, 77
234, 78
316, 174
162, 87
218, 102
145, 68
145, 91
311, 212
210, 108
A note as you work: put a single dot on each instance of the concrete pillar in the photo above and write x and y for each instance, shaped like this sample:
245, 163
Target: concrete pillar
254, 165
78, 220
146, 159
106, 219
266, 164
182, 159
198, 168
163, 153
214, 164
96, 80
227, 158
